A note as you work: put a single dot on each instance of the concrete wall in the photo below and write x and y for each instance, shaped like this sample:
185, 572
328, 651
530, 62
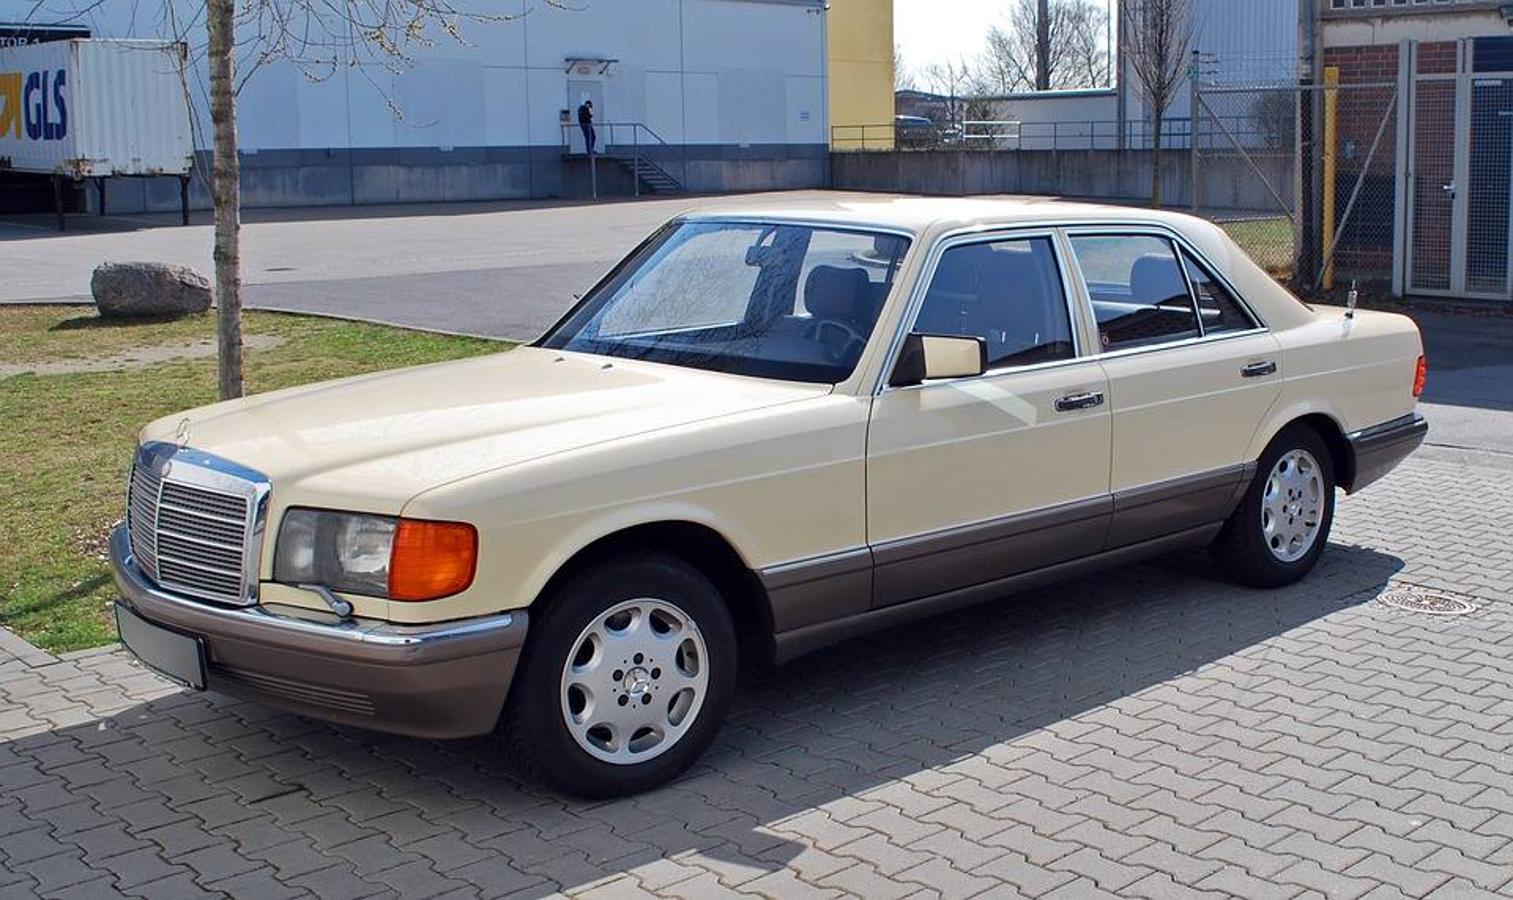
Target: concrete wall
423, 175
1439, 22
1121, 176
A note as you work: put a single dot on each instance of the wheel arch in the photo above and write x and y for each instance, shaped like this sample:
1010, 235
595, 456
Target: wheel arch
1329, 430
701, 547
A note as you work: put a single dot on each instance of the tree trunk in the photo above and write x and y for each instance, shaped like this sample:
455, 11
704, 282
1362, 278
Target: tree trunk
1043, 46
226, 195
1156, 162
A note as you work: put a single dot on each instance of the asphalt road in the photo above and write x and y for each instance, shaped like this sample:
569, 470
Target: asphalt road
500, 269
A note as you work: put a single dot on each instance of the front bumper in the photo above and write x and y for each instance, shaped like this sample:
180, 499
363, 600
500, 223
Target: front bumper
1377, 450
445, 680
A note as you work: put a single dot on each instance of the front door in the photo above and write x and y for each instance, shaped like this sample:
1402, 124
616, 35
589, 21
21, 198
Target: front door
972, 480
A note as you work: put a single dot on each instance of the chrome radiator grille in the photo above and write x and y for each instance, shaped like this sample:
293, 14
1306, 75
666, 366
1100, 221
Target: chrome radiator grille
195, 523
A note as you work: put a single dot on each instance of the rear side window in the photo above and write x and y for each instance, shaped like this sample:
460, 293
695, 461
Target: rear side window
1009, 293
1139, 294
1217, 307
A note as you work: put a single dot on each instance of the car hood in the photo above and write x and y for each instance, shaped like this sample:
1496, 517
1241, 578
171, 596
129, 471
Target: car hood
375, 441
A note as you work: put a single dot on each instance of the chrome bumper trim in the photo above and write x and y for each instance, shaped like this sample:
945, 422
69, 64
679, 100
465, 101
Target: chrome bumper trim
136, 588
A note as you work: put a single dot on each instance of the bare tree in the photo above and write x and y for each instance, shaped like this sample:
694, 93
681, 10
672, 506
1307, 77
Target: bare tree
903, 76
1087, 55
1157, 37
953, 80
1046, 44
319, 38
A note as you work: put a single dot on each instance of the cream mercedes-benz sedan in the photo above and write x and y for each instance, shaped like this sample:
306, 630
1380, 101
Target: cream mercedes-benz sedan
767, 429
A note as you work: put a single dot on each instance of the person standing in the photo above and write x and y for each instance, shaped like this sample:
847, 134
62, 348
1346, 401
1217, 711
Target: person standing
586, 122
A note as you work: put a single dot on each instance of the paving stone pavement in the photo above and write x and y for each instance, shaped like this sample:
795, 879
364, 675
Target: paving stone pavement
1150, 732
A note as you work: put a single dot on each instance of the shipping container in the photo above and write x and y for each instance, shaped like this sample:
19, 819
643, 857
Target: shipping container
94, 109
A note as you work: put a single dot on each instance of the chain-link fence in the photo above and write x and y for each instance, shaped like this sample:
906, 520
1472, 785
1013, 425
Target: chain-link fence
1313, 205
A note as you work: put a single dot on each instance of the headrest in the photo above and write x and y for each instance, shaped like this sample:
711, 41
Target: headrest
1154, 279
831, 292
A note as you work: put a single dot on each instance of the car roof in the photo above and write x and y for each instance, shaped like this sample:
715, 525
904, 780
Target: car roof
918, 215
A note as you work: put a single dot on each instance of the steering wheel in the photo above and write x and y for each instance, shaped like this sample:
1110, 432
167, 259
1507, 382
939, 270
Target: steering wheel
848, 334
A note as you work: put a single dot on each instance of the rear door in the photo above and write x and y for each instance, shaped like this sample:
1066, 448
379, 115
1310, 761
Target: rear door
970, 480
1191, 375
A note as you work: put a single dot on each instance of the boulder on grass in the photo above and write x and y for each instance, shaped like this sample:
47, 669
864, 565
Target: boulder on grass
148, 290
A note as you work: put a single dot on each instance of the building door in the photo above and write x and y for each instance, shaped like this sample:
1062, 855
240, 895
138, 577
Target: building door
578, 91
1460, 176
1489, 178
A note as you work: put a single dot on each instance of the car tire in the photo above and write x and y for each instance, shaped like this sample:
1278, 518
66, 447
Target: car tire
1279, 530
625, 679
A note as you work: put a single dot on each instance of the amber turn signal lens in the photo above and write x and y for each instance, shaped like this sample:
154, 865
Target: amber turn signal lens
431, 559
1420, 375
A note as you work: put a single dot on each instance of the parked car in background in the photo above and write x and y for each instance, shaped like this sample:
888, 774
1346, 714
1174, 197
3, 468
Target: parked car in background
767, 429
914, 131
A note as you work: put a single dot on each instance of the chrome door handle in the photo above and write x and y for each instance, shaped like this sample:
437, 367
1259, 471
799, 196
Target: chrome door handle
1079, 401
1257, 369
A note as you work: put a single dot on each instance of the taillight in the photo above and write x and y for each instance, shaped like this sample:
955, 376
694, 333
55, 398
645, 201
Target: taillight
1420, 375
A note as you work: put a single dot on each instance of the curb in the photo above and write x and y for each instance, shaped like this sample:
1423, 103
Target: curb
16, 647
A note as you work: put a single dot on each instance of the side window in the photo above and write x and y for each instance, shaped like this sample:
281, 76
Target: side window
1217, 307
1008, 293
1138, 292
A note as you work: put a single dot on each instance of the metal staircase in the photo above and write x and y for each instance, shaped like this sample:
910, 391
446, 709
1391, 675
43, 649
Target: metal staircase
637, 158
650, 176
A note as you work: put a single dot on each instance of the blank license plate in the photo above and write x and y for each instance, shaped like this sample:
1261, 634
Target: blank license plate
175, 656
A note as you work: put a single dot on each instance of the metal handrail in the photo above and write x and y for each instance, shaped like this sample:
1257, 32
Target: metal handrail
608, 129
1072, 135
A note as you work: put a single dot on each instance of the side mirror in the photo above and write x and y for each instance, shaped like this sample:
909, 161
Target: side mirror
939, 356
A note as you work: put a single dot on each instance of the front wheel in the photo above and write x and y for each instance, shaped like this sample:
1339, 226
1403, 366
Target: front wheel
1277, 533
625, 679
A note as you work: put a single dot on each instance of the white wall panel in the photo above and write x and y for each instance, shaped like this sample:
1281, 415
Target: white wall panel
504, 97
322, 111
664, 105
700, 71
701, 108
805, 115
441, 102
268, 111
733, 34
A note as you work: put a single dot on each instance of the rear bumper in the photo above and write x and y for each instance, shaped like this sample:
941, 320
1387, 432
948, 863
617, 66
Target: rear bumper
1377, 450
445, 680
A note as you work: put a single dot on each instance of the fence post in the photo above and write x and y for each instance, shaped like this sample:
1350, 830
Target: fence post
1331, 113
1402, 166
1192, 130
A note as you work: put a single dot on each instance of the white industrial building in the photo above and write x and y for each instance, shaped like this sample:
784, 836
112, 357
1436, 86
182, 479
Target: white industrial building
719, 94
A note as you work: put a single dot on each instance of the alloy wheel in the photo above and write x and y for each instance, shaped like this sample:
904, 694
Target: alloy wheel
1292, 505
635, 681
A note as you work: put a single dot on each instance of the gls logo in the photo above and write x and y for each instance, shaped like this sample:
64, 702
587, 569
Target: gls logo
39, 102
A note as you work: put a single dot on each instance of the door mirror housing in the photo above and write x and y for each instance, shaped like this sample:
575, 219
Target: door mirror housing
939, 356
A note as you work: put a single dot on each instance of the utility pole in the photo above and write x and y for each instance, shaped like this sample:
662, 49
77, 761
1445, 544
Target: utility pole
1043, 46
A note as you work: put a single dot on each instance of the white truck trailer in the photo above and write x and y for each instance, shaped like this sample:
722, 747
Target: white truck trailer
95, 109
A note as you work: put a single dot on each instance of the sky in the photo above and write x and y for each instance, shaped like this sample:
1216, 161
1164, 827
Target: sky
929, 31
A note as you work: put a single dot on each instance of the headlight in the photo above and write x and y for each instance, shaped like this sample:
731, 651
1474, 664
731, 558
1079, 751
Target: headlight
378, 556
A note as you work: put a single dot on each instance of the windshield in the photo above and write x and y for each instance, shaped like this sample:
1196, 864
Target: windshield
773, 300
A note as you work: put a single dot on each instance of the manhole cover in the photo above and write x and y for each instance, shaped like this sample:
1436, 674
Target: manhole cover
1430, 603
